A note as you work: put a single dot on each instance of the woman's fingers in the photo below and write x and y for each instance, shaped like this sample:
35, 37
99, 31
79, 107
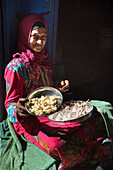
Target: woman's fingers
65, 86
22, 112
23, 100
22, 108
67, 83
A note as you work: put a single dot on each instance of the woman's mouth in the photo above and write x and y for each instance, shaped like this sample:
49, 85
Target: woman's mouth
38, 46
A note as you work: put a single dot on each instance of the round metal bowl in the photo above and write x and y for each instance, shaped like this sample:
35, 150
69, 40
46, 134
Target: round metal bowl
70, 121
44, 91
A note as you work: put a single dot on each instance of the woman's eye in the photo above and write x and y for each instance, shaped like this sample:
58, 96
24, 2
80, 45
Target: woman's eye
36, 37
43, 37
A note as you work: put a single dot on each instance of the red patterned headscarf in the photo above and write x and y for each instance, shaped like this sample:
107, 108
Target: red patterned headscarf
42, 58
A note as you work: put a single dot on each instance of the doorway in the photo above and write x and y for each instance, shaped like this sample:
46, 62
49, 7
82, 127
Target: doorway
85, 47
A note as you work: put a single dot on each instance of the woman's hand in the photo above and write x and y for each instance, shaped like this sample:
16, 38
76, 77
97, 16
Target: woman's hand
64, 86
21, 110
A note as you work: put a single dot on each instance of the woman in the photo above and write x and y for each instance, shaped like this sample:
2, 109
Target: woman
31, 67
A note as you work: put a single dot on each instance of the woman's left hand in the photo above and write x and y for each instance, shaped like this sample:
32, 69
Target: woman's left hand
64, 86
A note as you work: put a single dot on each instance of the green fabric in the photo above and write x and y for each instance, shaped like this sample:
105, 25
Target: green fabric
17, 154
106, 111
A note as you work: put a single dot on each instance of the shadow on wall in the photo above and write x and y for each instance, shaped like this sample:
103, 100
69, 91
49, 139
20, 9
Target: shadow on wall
85, 47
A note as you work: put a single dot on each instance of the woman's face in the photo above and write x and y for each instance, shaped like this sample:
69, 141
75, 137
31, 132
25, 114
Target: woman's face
38, 39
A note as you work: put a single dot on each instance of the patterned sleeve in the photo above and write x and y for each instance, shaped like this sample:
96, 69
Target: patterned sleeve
14, 89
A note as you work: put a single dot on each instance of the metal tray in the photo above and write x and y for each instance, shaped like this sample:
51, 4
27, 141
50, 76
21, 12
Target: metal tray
44, 91
70, 121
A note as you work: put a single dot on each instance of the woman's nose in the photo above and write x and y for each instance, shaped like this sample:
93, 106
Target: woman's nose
39, 41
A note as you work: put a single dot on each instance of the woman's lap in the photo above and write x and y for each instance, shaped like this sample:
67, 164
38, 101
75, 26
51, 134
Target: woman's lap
80, 145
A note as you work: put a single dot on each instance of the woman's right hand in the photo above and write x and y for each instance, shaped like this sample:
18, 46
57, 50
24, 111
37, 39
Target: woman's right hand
63, 86
21, 110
